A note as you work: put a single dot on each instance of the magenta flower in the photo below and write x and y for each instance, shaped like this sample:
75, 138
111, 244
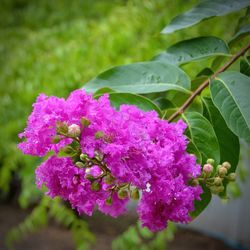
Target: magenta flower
111, 155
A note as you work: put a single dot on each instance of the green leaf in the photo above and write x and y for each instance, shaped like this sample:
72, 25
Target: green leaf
193, 49
245, 66
143, 77
204, 10
163, 103
143, 103
202, 135
103, 91
228, 141
201, 204
244, 31
230, 94
177, 99
192, 149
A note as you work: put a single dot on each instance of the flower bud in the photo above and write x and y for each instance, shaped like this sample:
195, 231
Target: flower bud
226, 165
89, 177
99, 134
122, 193
210, 161
79, 164
61, 127
208, 168
68, 150
85, 122
74, 130
109, 201
109, 179
95, 186
55, 139
217, 181
222, 171
216, 189
134, 194
84, 157
231, 177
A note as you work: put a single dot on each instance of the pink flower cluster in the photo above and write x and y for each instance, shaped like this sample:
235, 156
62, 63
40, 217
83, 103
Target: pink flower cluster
138, 149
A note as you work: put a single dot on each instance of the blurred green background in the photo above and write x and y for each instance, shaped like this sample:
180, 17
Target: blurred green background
55, 46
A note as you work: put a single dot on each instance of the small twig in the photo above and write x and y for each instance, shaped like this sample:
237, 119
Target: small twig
206, 82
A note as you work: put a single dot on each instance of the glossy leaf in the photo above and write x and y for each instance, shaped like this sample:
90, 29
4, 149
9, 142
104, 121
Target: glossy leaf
228, 141
144, 77
143, 103
193, 49
245, 66
204, 10
202, 135
230, 94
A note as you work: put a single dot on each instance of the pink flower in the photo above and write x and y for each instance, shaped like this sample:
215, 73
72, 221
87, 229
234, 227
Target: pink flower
133, 147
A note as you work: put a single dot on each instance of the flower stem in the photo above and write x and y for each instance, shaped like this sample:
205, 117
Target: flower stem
206, 82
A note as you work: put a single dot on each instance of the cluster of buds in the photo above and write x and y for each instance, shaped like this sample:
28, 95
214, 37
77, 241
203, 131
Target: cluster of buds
96, 170
213, 176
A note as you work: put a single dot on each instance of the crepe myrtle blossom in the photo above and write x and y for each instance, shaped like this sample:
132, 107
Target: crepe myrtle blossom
104, 157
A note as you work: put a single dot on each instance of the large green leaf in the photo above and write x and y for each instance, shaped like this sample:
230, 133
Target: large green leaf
144, 77
201, 204
193, 49
204, 10
117, 99
230, 94
228, 141
202, 135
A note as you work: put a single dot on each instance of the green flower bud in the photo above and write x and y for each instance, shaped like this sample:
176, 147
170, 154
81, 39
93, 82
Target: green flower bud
216, 189
108, 179
61, 128
222, 171
95, 186
232, 177
122, 193
226, 165
217, 181
99, 134
134, 194
68, 150
74, 130
84, 157
79, 164
109, 201
89, 177
55, 139
85, 122
210, 161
